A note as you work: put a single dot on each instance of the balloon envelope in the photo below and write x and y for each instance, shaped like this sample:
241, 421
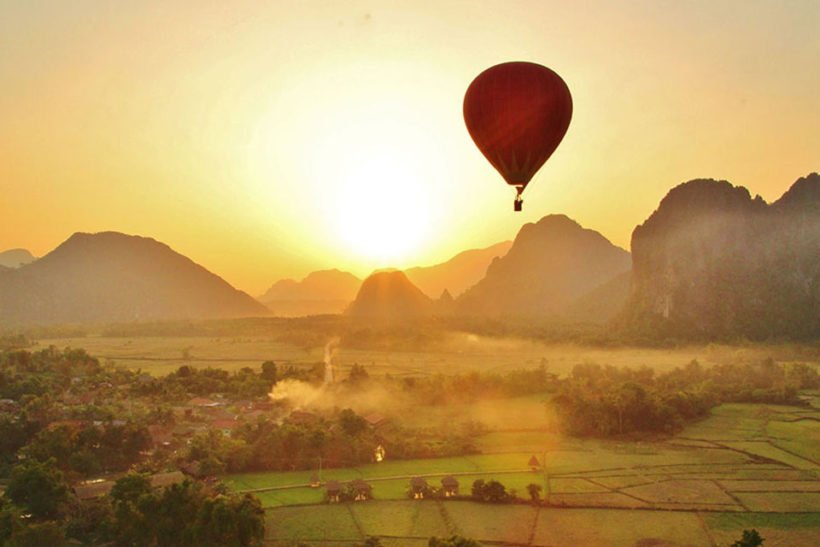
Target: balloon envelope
517, 113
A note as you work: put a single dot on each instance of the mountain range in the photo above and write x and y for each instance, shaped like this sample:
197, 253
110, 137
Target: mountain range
116, 277
711, 262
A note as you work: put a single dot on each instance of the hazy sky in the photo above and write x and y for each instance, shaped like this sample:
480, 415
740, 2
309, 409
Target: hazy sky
269, 139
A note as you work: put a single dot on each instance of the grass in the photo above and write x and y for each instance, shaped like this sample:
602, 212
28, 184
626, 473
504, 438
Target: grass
597, 499
496, 523
778, 530
295, 496
771, 486
325, 522
460, 353
767, 450
603, 527
801, 437
782, 502
681, 491
507, 523
418, 518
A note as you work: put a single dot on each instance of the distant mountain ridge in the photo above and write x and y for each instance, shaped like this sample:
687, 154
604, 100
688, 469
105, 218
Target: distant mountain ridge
551, 263
331, 291
320, 292
713, 262
457, 274
111, 276
14, 258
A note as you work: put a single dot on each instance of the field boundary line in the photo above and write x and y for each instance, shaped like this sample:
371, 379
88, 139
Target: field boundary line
356, 521
391, 478
706, 529
451, 526
534, 526
787, 451
726, 491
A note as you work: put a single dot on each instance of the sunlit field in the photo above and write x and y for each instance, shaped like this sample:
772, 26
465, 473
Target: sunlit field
462, 353
688, 488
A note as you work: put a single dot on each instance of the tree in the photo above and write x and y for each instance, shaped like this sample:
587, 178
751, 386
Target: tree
38, 487
128, 493
130, 488
269, 372
37, 535
534, 491
478, 489
230, 521
750, 538
357, 374
495, 492
172, 514
9, 521
352, 424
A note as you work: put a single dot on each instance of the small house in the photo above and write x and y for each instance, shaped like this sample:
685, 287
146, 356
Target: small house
314, 481
93, 489
300, 417
375, 420
227, 427
160, 436
361, 490
161, 480
418, 486
334, 490
449, 485
534, 463
202, 402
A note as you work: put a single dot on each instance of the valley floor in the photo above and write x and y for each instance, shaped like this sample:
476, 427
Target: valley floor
747, 466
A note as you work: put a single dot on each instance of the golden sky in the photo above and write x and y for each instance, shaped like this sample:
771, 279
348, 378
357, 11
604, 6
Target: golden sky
269, 139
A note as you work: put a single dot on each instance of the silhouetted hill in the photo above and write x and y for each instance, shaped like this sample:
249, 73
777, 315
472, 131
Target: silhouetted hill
551, 264
457, 274
712, 262
326, 291
14, 258
390, 296
116, 277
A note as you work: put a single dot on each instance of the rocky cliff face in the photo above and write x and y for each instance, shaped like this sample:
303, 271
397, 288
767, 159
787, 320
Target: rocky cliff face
713, 262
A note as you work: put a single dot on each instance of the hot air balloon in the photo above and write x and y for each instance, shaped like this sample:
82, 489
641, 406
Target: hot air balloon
517, 113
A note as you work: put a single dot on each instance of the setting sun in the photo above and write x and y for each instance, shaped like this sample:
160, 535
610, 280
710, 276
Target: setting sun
382, 213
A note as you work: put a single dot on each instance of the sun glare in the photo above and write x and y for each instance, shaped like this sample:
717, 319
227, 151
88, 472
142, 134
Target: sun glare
381, 214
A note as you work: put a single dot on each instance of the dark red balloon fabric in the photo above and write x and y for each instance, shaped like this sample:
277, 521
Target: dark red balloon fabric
517, 113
